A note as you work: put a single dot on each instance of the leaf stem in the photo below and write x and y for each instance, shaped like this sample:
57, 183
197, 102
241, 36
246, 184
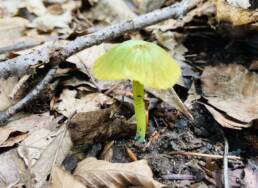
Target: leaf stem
139, 108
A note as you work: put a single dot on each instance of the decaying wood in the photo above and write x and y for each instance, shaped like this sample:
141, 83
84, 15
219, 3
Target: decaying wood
56, 52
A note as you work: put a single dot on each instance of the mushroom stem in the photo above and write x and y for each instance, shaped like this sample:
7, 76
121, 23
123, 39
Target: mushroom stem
139, 108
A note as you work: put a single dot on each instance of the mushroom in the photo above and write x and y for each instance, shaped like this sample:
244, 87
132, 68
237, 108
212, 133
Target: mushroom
145, 64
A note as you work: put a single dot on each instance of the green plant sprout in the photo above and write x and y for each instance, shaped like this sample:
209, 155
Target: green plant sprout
145, 64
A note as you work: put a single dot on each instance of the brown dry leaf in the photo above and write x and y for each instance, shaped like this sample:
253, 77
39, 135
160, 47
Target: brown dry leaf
99, 126
233, 90
235, 15
69, 102
9, 137
99, 173
223, 121
62, 179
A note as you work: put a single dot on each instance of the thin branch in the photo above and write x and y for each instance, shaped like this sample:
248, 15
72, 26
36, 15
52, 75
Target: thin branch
212, 156
59, 52
225, 163
4, 116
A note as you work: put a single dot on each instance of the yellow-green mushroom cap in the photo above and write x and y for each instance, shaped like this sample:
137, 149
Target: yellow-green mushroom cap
138, 60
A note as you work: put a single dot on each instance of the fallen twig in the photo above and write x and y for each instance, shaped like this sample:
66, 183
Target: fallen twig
231, 157
56, 52
225, 163
4, 116
180, 104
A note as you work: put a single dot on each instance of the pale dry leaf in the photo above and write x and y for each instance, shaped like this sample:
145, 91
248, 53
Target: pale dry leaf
235, 15
33, 122
12, 169
6, 87
42, 149
11, 29
233, 90
34, 149
99, 173
62, 179
69, 103
245, 4
56, 1
148, 5
111, 11
11, 7
49, 22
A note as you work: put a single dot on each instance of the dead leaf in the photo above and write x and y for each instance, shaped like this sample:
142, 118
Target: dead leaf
62, 179
245, 4
148, 5
69, 103
6, 87
236, 16
11, 29
203, 9
33, 122
36, 154
98, 173
99, 126
11, 7
111, 11
233, 90
225, 122
12, 169
86, 58
49, 22
9, 137
42, 149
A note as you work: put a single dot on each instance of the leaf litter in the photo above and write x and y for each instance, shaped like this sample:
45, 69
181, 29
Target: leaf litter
34, 143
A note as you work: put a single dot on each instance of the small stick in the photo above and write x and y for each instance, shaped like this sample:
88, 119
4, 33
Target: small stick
178, 177
131, 154
20, 45
231, 157
182, 106
225, 163
4, 116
